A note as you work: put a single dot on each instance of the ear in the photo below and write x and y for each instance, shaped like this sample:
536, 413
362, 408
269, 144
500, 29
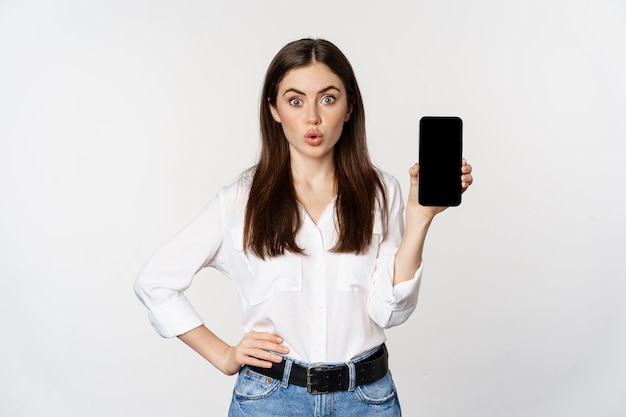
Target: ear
348, 113
274, 111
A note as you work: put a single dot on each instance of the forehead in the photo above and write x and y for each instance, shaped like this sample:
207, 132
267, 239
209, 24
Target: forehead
314, 77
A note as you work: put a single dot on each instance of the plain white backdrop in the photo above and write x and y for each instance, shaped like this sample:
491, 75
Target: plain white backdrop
120, 119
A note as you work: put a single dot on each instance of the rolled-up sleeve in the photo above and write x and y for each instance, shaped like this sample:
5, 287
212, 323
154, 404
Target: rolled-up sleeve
390, 305
161, 283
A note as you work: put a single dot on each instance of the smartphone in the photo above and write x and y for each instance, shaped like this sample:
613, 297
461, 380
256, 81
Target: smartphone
440, 159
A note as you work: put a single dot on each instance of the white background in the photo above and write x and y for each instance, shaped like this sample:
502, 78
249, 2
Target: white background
120, 119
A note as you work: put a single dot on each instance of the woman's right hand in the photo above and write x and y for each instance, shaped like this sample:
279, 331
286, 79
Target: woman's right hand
254, 349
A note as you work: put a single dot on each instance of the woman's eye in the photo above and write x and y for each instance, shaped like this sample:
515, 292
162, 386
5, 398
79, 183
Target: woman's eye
295, 102
328, 100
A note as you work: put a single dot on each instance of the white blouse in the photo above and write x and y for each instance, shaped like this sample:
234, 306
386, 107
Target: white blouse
328, 307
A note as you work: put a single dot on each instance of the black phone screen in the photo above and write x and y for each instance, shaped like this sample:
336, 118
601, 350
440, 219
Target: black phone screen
440, 158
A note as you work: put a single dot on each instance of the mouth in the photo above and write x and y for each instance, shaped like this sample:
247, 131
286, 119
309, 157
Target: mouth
313, 137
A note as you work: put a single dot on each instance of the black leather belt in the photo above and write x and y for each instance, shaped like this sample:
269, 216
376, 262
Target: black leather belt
322, 379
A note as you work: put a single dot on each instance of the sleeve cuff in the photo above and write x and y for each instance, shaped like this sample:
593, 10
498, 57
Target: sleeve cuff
403, 295
174, 318
390, 306
408, 290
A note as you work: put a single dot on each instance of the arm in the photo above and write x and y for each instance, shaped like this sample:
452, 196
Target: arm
418, 219
161, 286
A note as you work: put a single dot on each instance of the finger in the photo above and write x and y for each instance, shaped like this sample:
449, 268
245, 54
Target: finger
273, 347
264, 336
264, 341
264, 356
255, 357
465, 183
466, 169
253, 337
252, 361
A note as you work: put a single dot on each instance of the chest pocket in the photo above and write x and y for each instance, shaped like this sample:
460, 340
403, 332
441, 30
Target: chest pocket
355, 271
264, 278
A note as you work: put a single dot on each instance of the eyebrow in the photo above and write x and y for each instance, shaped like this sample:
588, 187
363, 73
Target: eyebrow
322, 91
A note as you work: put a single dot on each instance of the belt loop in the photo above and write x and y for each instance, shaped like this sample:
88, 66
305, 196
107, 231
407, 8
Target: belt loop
352, 373
287, 372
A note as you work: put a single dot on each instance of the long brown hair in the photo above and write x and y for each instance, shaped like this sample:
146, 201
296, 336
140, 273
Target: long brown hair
272, 214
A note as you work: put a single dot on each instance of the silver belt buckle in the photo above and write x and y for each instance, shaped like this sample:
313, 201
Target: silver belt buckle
309, 375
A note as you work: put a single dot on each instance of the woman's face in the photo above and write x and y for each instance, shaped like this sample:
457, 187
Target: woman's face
312, 107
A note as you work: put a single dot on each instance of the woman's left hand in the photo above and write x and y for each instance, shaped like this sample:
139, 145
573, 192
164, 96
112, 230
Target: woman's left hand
430, 211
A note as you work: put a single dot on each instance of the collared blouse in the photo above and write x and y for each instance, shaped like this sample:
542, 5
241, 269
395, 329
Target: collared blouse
328, 307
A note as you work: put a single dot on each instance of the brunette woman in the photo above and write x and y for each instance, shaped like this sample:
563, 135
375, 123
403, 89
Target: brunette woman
314, 240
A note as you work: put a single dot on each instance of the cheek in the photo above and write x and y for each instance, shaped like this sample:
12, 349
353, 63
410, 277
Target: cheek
339, 119
289, 130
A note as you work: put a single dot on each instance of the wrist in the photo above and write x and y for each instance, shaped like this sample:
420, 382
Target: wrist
228, 364
419, 217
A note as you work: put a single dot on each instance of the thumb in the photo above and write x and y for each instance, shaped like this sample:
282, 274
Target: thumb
414, 173
413, 189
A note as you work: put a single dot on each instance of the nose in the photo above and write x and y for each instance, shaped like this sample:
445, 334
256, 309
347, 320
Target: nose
313, 115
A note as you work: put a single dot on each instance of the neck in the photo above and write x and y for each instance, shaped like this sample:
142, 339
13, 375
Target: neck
313, 172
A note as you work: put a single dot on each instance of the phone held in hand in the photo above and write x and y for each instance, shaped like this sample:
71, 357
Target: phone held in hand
440, 159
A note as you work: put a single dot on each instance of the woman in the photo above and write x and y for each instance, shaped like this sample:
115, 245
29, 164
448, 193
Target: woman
314, 241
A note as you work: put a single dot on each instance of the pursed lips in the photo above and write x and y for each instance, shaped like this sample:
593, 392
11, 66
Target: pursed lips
313, 137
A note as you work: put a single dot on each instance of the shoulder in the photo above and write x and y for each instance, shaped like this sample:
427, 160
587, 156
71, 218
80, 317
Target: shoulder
393, 193
233, 197
237, 189
390, 184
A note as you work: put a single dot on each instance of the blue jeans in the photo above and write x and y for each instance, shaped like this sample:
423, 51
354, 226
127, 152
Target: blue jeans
257, 395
